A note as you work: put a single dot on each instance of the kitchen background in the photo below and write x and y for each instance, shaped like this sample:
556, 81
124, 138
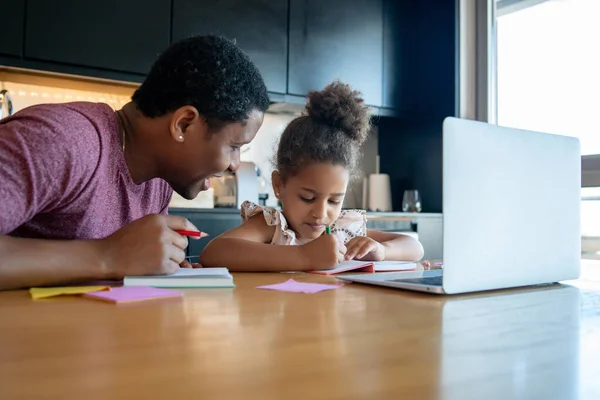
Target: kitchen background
26, 89
403, 55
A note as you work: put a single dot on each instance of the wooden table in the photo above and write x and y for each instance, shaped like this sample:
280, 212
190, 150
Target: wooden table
357, 342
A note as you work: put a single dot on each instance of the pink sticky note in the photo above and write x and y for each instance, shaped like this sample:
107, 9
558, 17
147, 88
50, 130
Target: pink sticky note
299, 287
133, 293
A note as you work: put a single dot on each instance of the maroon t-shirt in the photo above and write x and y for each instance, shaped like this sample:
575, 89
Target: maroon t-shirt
63, 174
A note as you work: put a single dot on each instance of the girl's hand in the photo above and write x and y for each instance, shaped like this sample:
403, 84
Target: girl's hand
365, 249
187, 264
325, 252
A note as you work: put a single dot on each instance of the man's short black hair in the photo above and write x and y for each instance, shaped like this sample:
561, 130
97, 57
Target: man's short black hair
210, 73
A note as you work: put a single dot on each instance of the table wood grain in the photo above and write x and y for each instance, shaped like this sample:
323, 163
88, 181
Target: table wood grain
357, 342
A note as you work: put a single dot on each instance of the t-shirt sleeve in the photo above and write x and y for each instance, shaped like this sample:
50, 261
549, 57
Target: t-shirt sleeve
44, 163
168, 193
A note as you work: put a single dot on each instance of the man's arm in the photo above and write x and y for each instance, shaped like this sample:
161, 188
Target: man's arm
34, 262
148, 246
36, 157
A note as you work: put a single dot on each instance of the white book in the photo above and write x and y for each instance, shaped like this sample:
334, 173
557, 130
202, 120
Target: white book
185, 278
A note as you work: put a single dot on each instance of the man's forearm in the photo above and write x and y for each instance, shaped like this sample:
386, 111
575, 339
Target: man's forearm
33, 262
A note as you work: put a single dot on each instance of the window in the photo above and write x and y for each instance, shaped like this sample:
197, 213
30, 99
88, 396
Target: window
548, 80
548, 67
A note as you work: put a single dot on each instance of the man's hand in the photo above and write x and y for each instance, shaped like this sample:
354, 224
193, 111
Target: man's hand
148, 246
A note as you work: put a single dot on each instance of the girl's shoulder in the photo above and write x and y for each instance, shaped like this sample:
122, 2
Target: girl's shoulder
249, 210
283, 234
350, 224
353, 214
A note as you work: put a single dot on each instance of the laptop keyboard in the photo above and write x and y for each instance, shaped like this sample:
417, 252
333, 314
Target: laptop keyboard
431, 281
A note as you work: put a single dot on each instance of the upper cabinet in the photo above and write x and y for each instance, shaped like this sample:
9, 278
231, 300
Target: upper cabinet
258, 26
421, 53
110, 34
11, 35
401, 54
395, 49
336, 39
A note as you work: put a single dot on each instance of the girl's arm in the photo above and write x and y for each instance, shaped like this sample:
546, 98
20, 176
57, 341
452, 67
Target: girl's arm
398, 247
380, 246
248, 248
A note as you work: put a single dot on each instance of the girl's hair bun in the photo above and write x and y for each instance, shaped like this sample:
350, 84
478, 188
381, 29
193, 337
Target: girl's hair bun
342, 108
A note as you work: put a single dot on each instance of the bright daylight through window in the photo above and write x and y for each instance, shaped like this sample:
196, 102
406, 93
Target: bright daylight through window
549, 81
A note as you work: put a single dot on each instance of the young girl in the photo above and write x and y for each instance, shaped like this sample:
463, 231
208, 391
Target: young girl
317, 155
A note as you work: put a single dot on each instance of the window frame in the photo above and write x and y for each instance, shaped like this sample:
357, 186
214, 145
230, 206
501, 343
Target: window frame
590, 171
504, 7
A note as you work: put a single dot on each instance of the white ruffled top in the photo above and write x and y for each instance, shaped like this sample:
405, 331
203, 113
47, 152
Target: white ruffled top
350, 224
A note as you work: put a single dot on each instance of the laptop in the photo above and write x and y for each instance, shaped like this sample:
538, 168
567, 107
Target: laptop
511, 212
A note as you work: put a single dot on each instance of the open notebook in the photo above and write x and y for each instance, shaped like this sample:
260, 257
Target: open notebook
185, 278
368, 266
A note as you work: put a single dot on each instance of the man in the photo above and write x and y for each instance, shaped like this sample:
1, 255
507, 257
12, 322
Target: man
84, 191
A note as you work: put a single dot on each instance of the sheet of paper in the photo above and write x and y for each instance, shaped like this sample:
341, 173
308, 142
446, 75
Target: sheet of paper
133, 293
299, 287
44, 292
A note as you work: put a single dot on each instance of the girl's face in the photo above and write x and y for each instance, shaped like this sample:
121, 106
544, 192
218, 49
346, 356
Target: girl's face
313, 198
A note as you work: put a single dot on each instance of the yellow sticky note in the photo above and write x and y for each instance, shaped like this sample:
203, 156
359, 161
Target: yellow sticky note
42, 293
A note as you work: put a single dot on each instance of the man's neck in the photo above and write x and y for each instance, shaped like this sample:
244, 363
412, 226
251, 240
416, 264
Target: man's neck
139, 156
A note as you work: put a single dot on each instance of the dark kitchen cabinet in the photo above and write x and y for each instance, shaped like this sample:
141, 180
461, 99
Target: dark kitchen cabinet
212, 221
420, 68
111, 34
396, 47
258, 26
421, 81
11, 34
336, 39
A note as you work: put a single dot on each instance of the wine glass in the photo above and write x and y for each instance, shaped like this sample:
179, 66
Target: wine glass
411, 201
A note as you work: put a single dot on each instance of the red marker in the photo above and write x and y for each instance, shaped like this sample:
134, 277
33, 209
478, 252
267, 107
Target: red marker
192, 233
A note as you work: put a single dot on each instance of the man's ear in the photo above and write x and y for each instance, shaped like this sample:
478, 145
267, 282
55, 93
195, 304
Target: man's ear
277, 183
181, 121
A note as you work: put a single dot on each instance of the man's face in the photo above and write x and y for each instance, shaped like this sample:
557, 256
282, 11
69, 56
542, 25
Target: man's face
203, 153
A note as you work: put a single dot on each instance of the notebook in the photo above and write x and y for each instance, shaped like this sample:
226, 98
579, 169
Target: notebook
185, 278
368, 266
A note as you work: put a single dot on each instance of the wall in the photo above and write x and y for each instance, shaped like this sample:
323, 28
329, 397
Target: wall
27, 89
263, 148
367, 166
23, 96
411, 153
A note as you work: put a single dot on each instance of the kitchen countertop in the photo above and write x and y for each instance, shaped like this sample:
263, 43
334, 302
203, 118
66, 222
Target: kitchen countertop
399, 214
205, 210
370, 215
